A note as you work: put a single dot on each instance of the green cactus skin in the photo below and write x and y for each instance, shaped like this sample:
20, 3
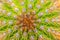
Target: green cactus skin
29, 20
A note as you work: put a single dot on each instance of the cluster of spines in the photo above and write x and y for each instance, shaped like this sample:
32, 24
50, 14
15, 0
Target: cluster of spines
11, 9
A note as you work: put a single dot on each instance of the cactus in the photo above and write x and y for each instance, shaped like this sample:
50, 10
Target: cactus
29, 20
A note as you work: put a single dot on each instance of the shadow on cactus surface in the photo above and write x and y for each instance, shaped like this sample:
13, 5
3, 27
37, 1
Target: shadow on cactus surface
29, 19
